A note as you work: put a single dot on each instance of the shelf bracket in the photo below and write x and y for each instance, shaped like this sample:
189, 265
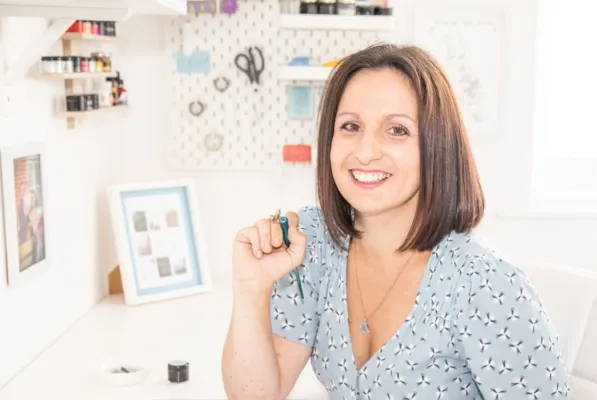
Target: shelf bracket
31, 54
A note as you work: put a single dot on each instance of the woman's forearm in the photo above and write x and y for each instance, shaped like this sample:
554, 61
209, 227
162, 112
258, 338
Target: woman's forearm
249, 364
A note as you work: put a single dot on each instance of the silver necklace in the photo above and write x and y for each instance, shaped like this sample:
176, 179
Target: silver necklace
364, 325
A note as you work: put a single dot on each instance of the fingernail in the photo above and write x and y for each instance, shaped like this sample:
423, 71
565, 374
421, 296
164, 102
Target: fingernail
259, 254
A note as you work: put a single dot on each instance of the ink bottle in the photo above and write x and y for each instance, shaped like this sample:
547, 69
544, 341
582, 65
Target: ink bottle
178, 371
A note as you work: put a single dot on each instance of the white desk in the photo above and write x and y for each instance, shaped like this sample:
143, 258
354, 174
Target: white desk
191, 328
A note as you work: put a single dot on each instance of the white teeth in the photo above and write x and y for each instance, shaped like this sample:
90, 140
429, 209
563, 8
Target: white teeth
369, 177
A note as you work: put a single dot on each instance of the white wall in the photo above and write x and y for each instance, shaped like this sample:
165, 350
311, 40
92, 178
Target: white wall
31, 316
86, 160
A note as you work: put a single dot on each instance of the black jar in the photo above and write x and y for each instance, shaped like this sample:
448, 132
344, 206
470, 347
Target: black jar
327, 7
72, 103
364, 10
76, 64
178, 371
309, 7
382, 11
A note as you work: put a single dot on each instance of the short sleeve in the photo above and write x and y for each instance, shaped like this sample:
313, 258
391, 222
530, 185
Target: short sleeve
294, 318
505, 335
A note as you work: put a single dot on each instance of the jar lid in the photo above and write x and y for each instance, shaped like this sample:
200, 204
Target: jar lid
346, 1
309, 1
178, 365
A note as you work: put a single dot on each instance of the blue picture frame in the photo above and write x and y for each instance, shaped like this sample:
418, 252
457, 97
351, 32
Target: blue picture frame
160, 243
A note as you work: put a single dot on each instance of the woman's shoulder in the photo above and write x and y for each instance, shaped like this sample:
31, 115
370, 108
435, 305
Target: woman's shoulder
478, 267
474, 255
469, 254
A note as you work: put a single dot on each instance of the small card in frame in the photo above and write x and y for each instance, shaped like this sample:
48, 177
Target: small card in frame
159, 240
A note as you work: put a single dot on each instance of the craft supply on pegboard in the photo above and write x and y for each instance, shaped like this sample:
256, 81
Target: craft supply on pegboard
240, 128
298, 153
202, 7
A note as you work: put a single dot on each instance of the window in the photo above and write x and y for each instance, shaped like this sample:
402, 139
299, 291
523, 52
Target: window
565, 118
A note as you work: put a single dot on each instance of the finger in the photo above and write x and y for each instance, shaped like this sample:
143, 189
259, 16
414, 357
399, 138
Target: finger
250, 236
264, 226
293, 219
298, 243
276, 234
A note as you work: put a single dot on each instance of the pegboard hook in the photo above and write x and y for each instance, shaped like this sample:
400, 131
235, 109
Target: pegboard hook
221, 84
196, 108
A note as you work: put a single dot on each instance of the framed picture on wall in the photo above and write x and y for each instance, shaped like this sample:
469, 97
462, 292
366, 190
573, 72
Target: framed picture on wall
24, 189
470, 44
159, 241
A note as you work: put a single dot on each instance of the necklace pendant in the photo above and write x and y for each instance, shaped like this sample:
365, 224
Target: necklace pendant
364, 326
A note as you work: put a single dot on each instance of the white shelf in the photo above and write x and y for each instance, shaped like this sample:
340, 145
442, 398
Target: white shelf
101, 110
89, 37
77, 75
306, 73
338, 22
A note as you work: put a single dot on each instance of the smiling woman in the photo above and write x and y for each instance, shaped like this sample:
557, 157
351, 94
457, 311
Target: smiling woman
401, 299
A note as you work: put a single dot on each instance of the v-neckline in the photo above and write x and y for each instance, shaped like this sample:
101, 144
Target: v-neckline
435, 255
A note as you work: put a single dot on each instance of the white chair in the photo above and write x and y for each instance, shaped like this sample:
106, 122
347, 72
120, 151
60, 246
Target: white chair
569, 294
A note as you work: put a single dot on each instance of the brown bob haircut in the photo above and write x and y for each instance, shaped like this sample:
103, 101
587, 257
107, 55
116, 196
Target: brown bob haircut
450, 194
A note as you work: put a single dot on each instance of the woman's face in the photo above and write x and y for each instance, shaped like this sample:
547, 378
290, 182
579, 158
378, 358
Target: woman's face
375, 148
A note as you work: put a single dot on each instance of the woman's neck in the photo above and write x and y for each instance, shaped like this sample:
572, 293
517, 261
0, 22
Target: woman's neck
382, 235
384, 232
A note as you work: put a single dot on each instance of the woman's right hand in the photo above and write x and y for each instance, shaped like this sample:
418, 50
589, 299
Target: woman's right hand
260, 256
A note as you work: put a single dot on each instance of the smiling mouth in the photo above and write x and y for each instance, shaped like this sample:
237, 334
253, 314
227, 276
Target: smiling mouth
369, 177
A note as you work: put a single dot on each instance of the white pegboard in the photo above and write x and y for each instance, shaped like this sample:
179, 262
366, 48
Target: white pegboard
476, 70
245, 147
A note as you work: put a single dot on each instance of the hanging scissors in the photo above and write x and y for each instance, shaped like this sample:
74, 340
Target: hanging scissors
252, 66
249, 67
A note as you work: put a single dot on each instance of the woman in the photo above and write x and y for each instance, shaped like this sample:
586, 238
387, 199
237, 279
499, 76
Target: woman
401, 301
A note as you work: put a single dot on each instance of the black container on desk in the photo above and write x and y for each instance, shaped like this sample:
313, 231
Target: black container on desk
178, 371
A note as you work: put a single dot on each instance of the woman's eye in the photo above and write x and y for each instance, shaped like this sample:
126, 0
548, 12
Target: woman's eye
398, 131
349, 126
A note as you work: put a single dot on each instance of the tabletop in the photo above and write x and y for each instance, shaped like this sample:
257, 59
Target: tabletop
151, 335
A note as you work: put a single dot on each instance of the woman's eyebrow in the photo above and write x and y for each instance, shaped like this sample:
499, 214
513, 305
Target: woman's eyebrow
402, 116
352, 114
393, 115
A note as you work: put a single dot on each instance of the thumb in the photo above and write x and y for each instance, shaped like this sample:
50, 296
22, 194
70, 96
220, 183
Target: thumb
298, 244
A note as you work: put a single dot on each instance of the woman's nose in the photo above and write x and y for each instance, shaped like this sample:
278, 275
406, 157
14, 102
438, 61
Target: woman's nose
368, 148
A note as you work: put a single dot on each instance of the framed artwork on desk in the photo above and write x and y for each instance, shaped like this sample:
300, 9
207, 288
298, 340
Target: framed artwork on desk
159, 241
24, 189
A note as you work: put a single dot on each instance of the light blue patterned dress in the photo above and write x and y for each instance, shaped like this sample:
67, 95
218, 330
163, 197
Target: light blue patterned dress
477, 329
